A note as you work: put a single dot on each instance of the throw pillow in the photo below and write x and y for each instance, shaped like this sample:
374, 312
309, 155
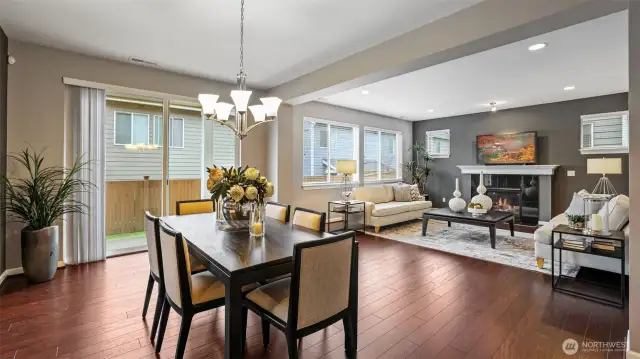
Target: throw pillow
618, 212
415, 193
577, 203
402, 193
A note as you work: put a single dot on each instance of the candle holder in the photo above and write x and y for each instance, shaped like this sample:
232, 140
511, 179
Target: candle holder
594, 222
256, 220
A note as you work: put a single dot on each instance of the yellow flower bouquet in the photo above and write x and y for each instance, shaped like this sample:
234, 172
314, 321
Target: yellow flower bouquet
243, 185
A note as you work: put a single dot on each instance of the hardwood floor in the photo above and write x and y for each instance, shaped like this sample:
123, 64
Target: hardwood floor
414, 303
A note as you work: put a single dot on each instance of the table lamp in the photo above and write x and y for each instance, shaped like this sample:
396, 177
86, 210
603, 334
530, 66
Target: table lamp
347, 168
604, 166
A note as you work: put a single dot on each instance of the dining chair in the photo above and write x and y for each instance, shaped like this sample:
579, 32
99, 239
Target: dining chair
155, 261
321, 291
188, 294
195, 206
278, 211
309, 218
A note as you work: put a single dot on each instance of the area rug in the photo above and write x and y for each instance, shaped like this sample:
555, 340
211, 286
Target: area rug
473, 241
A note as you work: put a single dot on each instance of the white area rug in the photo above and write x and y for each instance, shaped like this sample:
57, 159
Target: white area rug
473, 241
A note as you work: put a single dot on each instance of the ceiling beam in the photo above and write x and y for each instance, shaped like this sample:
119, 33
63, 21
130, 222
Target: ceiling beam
486, 25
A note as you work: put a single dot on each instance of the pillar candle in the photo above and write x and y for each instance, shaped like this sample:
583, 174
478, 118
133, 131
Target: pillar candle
257, 228
596, 222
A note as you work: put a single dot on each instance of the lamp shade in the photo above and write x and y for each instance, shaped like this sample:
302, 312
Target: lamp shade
208, 102
223, 110
604, 166
271, 105
346, 166
240, 99
258, 113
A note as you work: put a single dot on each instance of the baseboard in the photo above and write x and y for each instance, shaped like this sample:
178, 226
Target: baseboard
632, 355
18, 270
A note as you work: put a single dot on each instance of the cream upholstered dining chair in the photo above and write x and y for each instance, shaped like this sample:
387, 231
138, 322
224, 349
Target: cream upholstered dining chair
152, 229
278, 211
321, 291
195, 206
309, 218
188, 294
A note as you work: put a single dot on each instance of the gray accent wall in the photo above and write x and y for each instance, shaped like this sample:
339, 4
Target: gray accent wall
558, 127
4, 43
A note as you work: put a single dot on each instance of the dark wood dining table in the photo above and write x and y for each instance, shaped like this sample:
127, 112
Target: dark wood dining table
237, 260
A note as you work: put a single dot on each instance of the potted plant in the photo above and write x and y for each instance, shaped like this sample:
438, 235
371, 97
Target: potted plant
418, 168
576, 221
39, 200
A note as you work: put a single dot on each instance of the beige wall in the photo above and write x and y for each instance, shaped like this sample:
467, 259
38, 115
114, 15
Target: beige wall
36, 103
289, 156
634, 173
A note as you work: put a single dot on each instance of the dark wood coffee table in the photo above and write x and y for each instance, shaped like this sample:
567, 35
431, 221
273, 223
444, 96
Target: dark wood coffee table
490, 219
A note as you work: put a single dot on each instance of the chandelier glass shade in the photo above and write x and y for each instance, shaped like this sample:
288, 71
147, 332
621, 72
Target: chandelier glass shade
220, 111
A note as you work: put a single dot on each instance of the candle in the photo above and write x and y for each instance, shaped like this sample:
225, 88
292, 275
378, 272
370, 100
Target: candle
596, 222
257, 228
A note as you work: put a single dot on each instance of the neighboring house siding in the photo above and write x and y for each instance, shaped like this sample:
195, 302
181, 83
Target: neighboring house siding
316, 157
224, 147
126, 164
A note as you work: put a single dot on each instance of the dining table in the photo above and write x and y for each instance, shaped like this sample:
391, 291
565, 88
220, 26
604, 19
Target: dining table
237, 259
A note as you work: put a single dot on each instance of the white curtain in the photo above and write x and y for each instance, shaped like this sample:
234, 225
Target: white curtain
84, 234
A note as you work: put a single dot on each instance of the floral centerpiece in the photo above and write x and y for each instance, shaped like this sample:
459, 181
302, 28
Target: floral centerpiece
240, 194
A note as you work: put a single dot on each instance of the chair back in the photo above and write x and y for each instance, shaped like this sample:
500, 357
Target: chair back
175, 267
194, 206
309, 218
151, 231
278, 211
322, 280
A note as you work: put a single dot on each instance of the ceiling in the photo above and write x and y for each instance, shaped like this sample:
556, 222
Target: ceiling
284, 39
592, 56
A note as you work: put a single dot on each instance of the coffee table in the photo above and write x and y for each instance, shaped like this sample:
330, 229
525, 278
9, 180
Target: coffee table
490, 219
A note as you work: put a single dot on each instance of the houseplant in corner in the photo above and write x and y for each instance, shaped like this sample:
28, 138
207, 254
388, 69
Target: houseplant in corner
39, 199
418, 168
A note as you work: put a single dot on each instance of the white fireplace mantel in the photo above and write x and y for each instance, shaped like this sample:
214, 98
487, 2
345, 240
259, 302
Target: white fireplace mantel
534, 170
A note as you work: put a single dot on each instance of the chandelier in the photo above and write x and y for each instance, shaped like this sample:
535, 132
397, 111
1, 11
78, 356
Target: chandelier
220, 111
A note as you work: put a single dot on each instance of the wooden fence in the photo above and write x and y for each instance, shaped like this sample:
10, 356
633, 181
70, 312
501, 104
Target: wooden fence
127, 201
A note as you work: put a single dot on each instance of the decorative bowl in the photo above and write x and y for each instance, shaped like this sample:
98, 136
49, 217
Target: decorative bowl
477, 211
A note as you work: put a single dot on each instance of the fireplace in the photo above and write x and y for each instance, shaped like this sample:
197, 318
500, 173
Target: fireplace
518, 194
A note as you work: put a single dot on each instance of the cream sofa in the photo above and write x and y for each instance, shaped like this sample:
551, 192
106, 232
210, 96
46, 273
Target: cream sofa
381, 209
542, 237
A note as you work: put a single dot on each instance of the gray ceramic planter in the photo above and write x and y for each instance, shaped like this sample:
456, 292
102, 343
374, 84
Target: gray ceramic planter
40, 253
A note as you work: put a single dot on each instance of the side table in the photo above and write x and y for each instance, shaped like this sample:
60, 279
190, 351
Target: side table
347, 209
619, 253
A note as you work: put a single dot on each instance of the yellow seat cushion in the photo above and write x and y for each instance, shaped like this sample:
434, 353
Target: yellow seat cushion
273, 297
205, 206
205, 287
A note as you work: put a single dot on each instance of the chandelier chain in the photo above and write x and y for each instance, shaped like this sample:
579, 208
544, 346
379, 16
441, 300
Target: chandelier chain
241, 36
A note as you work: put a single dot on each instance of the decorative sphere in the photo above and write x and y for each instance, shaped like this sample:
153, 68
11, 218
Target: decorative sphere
484, 200
457, 204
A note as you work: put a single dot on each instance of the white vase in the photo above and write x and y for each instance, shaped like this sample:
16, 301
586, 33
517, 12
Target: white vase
481, 198
456, 203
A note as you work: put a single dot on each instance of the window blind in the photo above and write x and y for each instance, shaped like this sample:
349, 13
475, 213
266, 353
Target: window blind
605, 133
438, 143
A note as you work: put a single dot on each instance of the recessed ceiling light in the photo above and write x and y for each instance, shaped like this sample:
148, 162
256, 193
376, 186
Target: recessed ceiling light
430, 110
365, 92
404, 117
569, 88
536, 47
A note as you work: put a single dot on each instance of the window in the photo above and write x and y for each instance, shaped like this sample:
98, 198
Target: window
382, 151
437, 143
324, 143
176, 132
605, 133
131, 128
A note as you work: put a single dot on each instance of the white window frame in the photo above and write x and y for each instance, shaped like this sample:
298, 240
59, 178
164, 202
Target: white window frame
426, 143
171, 119
597, 150
356, 152
115, 122
398, 134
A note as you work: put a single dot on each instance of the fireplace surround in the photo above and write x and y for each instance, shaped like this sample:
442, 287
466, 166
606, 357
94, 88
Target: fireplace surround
509, 182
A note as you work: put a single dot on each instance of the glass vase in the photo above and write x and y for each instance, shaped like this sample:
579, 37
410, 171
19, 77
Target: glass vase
256, 220
234, 216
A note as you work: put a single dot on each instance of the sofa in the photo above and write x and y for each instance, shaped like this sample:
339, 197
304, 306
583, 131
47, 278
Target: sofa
381, 209
618, 219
